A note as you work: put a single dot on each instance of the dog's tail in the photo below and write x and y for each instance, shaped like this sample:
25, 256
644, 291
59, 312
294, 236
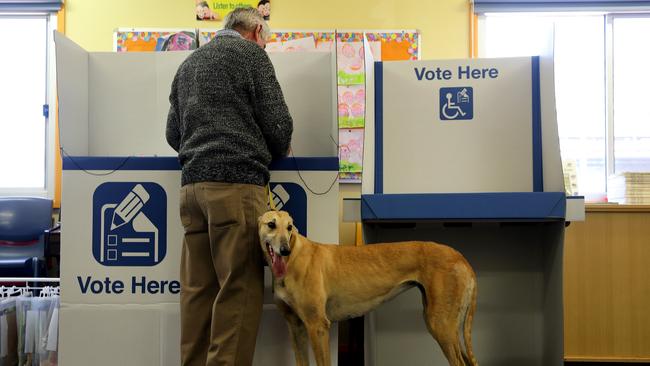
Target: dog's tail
468, 355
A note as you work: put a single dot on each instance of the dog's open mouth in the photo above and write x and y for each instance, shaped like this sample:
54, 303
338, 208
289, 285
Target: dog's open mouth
278, 263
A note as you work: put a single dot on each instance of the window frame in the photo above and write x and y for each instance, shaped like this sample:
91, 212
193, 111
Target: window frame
50, 99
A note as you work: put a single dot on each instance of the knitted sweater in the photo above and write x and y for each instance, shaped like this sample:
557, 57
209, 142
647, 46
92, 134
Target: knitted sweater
228, 117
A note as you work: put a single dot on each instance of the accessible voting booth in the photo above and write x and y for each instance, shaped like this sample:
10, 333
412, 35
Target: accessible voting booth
121, 231
466, 153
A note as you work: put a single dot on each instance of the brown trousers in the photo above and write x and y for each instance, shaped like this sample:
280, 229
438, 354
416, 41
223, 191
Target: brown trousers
222, 278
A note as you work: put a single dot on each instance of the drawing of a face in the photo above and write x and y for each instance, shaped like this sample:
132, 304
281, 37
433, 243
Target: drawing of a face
201, 12
264, 7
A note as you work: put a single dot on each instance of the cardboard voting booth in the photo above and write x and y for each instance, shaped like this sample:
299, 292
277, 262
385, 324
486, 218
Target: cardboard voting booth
466, 153
121, 231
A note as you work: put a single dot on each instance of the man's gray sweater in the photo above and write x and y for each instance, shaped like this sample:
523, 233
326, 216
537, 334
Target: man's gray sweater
228, 117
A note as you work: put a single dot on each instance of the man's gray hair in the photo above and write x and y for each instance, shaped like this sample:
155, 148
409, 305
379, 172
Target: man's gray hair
246, 20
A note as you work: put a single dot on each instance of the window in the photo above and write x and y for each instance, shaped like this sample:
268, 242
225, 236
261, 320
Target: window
631, 52
600, 85
26, 145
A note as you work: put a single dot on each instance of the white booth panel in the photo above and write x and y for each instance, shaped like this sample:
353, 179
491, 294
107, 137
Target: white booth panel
308, 83
491, 152
552, 160
116, 104
107, 335
72, 90
104, 297
136, 335
368, 178
129, 93
518, 319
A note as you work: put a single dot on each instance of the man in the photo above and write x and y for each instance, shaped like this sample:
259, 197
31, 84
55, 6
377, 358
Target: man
227, 120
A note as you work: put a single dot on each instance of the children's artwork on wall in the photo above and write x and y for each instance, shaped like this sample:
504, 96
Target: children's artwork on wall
300, 41
349, 59
280, 41
218, 9
395, 46
306, 44
350, 150
351, 107
205, 36
132, 40
274, 47
385, 46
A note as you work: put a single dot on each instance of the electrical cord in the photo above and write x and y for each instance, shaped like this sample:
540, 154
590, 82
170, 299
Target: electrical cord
120, 166
295, 162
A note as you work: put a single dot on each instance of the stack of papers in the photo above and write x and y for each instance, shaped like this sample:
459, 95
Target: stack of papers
629, 188
570, 170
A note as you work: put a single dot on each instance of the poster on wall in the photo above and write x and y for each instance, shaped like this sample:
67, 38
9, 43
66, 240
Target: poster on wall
217, 10
147, 40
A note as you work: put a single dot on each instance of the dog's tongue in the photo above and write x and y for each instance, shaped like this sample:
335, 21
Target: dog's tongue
279, 267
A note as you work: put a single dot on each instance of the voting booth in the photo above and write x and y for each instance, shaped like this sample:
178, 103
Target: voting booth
466, 153
121, 231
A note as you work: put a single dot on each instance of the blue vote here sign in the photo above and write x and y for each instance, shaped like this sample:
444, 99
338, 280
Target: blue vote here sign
129, 224
292, 198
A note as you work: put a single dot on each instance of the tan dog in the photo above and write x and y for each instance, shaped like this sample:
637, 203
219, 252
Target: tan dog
316, 284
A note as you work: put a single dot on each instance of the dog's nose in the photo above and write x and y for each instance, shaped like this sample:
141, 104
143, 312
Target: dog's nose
285, 251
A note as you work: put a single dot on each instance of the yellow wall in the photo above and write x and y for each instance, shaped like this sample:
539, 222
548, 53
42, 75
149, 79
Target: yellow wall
444, 23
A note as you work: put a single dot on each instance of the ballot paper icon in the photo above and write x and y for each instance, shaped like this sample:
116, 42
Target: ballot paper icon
129, 224
291, 197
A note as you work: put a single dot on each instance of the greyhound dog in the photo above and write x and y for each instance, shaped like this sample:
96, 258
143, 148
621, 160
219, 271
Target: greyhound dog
316, 284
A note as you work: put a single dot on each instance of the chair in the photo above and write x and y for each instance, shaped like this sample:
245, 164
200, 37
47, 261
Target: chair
24, 231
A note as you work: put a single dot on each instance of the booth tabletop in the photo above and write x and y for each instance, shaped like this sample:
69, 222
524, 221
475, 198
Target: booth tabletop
171, 163
500, 206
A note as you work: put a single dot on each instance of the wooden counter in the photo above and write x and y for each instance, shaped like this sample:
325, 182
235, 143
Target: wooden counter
607, 285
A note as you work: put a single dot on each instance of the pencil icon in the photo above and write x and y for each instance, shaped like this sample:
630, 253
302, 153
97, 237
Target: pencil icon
130, 206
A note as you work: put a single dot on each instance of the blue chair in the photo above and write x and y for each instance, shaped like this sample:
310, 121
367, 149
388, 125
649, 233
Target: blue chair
25, 223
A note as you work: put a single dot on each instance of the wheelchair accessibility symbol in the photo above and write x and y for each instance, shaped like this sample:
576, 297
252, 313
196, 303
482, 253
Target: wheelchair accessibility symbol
129, 224
456, 103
